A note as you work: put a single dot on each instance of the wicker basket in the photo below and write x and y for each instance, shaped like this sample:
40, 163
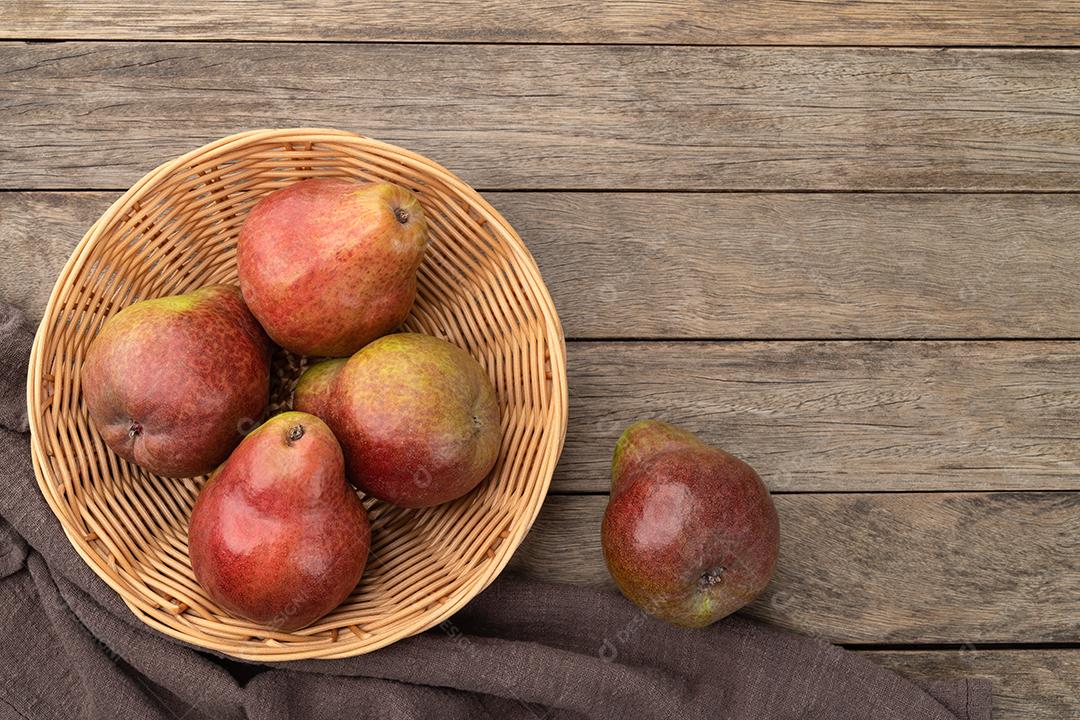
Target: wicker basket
175, 231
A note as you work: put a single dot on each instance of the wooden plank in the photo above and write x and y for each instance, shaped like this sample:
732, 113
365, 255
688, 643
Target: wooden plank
1027, 684
38, 232
731, 22
871, 568
733, 265
839, 416
100, 114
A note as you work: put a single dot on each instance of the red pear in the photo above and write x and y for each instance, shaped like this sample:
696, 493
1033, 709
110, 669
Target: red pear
418, 420
172, 384
328, 265
690, 533
277, 536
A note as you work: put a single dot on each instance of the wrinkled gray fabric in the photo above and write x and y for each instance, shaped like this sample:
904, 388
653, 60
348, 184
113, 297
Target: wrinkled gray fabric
70, 648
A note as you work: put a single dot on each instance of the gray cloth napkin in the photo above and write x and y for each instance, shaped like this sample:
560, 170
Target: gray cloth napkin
70, 648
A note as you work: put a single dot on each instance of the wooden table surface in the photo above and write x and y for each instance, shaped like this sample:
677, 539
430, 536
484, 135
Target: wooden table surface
837, 239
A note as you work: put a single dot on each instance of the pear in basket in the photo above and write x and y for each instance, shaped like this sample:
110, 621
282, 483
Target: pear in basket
417, 417
327, 265
173, 383
276, 535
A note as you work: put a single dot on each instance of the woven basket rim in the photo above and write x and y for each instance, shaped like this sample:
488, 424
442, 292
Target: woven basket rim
557, 412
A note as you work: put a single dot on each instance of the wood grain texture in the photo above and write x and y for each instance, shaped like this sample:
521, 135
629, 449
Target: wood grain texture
1027, 684
839, 416
99, 115
735, 265
730, 22
947, 567
810, 416
871, 568
38, 232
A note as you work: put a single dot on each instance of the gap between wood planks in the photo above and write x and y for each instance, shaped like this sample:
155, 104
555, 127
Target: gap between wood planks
420, 43
816, 338
670, 22
960, 647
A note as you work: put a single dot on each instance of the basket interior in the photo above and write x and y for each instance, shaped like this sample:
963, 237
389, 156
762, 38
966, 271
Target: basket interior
176, 231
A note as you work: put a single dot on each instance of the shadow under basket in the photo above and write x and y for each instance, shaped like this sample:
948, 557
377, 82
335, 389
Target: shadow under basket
176, 231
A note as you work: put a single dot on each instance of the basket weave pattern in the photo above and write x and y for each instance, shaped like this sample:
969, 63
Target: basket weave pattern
176, 231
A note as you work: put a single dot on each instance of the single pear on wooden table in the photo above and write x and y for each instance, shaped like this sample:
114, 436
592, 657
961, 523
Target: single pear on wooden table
277, 535
327, 264
690, 533
172, 384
